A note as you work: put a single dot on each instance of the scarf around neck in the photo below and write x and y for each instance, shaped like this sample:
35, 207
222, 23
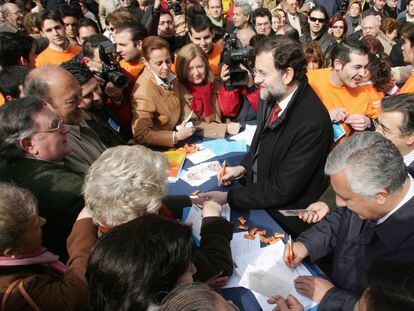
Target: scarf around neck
201, 101
40, 256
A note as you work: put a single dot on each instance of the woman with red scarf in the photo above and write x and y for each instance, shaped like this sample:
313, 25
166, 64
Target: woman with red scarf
200, 94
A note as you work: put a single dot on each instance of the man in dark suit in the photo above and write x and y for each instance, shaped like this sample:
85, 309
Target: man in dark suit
285, 163
371, 181
295, 19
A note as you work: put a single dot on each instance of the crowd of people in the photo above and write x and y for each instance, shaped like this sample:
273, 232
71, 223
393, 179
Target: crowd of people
92, 92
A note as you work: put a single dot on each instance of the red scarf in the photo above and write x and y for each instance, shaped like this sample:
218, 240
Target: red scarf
201, 101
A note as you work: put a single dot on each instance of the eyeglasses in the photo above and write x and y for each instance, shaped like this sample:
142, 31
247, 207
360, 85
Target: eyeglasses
54, 129
338, 27
314, 19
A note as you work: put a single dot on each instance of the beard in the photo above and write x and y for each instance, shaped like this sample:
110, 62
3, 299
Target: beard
271, 96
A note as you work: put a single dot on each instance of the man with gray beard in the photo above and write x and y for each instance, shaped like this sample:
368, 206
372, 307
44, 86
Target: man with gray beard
284, 166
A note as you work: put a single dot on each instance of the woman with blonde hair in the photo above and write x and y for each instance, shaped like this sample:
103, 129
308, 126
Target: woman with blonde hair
200, 94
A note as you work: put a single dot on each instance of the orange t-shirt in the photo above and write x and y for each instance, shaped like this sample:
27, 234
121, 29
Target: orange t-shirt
360, 100
132, 69
408, 86
2, 100
213, 61
52, 57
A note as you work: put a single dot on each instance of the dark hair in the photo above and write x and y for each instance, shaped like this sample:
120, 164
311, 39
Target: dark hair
11, 78
291, 32
256, 38
16, 123
166, 12
313, 51
390, 286
343, 50
199, 23
319, 8
138, 32
286, 53
379, 64
261, 12
65, 10
407, 31
87, 22
80, 71
138, 263
13, 46
403, 103
52, 15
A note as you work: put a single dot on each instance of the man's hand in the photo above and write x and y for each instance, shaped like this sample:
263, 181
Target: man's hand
115, 93
250, 81
300, 252
211, 209
338, 114
233, 128
290, 304
219, 197
224, 73
313, 287
359, 122
184, 132
232, 173
217, 281
317, 211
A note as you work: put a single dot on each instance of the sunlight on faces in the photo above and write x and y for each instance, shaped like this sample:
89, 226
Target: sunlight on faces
316, 26
291, 6
166, 27
379, 4
370, 209
204, 39
86, 32
92, 95
159, 62
45, 145
352, 73
71, 26
215, 9
338, 29
239, 19
273, 82
354, 10
197, 71
55, 33
263, 25
128, 49
407, 50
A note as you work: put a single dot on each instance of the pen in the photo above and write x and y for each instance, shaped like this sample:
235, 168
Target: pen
223, 169
291, 254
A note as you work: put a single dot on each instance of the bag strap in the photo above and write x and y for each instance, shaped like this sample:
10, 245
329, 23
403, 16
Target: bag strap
26, 296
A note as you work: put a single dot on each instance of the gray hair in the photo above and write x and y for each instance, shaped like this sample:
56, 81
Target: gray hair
37, 83
15, 124
247, 8
124, 183
371, 163
17, 205
404, 104
192, 297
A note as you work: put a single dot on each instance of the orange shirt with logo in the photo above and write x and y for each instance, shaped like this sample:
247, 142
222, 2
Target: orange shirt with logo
408, 86
52, 57
360, 100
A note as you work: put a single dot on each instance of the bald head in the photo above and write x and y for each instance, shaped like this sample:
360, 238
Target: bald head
370, 25
245, 35
13, 14
59, 90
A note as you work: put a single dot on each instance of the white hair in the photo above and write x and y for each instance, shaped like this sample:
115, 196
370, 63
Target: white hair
124, 183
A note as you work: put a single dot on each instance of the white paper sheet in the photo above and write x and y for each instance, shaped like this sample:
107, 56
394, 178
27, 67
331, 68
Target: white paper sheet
265, 283
246, 135
240, 245
201, 156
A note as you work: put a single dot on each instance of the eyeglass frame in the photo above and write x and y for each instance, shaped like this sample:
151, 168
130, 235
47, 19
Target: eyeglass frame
52, 130
315, 19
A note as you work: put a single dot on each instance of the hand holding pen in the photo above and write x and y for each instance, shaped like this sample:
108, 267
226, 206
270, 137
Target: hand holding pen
294, 253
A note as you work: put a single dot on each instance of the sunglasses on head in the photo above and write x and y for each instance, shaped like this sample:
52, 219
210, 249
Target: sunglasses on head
314, 19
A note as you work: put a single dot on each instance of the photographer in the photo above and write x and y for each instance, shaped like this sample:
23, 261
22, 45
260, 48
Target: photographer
102, 62
239, 95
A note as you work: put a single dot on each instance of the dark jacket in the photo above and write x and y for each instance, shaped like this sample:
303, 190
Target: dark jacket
324, 40
356, 246
47, 288
58, 192
290, 161
303, 22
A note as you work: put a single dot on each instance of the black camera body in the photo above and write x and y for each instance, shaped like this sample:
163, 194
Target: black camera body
233, 55
112, 73
175, 6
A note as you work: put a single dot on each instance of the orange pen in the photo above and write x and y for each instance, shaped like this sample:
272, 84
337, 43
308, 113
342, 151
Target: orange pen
223, 170
291, 254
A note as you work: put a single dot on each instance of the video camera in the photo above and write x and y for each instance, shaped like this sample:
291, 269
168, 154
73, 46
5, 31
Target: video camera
110, 72
233, 54
175, 6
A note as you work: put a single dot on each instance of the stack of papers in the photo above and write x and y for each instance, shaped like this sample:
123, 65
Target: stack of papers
246, 135
264, 272
201, 173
